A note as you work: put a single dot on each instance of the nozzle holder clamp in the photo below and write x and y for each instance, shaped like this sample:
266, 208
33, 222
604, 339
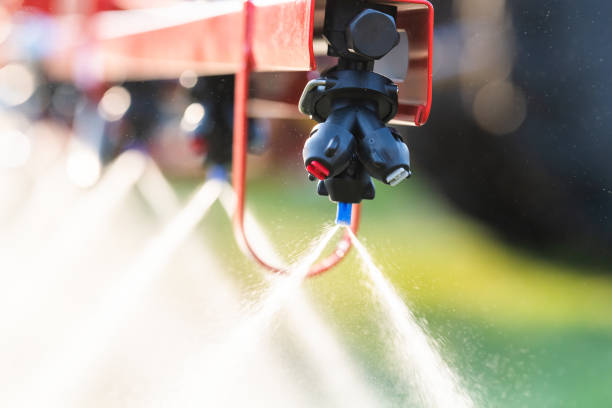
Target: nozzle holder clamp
320, 94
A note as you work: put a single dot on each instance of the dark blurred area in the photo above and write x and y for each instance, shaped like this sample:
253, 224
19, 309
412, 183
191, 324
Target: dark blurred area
520, 135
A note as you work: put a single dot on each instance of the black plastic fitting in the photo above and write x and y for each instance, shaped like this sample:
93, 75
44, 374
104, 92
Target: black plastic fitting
352, 104
330, 145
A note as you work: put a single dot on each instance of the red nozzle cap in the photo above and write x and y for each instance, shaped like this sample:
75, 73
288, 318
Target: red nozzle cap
318, 170
198, 146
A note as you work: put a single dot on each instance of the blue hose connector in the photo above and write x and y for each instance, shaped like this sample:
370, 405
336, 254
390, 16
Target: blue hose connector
217, 172
344, 213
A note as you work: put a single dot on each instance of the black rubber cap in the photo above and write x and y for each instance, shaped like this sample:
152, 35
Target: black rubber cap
372, 34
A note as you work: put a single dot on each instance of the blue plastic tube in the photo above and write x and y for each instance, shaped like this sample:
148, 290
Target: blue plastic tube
343, 214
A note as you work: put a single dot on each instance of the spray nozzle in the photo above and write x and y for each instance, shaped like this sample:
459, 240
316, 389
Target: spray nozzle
352, 142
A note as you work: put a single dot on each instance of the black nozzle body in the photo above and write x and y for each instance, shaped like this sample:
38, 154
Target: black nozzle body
351, 186
381, 149
351, 145
330, 145
352, 104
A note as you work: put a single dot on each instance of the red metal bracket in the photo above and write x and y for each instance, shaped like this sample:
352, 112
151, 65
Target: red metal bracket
239, 162
416, 17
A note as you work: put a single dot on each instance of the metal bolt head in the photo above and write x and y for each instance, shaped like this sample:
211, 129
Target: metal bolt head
372, 34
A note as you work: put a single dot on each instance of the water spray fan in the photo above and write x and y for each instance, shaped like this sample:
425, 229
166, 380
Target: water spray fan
383, 75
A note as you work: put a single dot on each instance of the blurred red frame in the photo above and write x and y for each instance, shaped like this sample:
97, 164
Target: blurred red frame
208, 39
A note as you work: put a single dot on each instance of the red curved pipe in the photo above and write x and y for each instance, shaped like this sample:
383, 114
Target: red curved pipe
239, 161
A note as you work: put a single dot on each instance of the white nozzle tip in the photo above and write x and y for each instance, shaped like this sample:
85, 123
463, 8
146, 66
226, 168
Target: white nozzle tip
397, 176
